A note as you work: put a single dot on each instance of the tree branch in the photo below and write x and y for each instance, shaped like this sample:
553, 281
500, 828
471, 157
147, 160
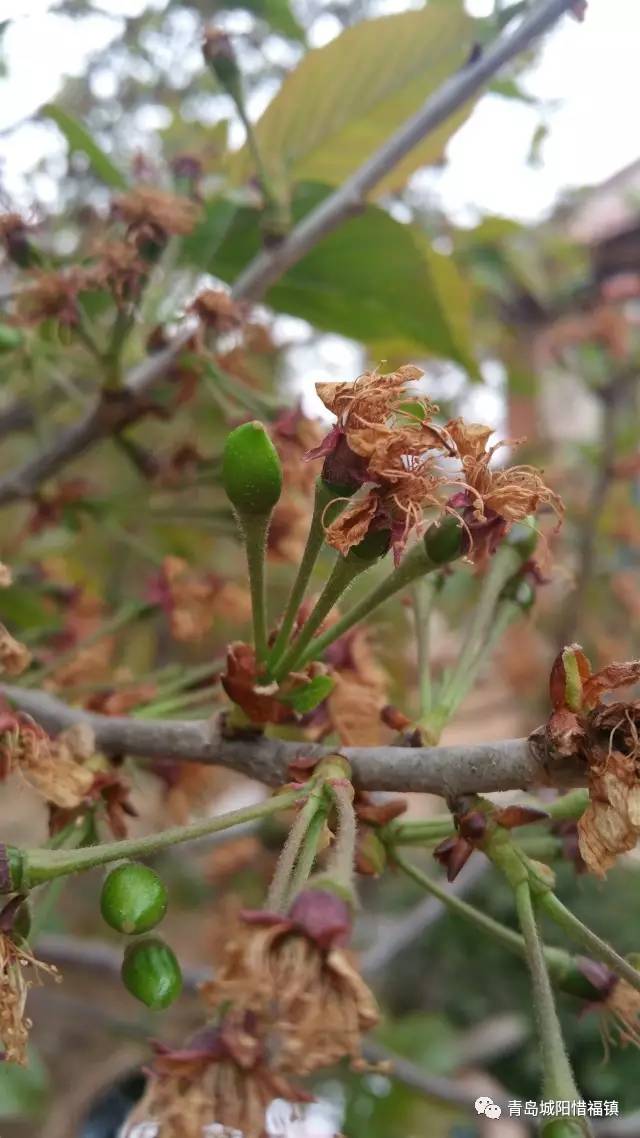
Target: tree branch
106, 417
269, 266
507, 764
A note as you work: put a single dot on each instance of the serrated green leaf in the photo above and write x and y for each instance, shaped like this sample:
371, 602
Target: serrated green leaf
79, 139
306, 698
345, 99
374, 279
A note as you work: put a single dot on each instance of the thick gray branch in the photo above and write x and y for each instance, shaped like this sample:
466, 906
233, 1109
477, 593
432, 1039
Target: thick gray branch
509, 764
103, 418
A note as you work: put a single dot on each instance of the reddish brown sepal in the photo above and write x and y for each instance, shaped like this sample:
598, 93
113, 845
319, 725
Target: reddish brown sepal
453, 854
512, 816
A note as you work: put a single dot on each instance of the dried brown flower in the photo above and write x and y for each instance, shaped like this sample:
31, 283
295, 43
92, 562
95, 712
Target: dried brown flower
220, 1082
355, 704
53, 767
119, 268
194, 600
301, 986
84, 615
494, 498
217, 310
53, 294
19, 971
147, 208
621, 1014
605, 737
14, 656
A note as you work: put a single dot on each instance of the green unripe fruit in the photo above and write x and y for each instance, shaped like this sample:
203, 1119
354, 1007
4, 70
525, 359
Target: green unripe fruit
523, 537
133, 899
10, 338
373, 546
251, 470
444, 541
151, 973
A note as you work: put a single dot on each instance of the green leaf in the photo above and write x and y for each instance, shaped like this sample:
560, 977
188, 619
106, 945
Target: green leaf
308, 697
277, 13
344, 100
201, 245
23, 1090
79, 139
374, 279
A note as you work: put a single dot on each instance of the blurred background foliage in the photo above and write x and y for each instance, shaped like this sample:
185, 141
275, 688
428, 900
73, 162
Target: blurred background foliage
535, 327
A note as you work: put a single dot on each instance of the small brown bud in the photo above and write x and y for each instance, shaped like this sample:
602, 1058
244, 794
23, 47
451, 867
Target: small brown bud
513, 816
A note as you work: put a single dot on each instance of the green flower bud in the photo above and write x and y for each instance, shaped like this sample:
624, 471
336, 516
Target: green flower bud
151, 973
444, 540
133, 899
251, 470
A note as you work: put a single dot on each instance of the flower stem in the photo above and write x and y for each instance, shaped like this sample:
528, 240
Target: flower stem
340, 866
561, 965
308, 853
422, 595
480, 635
344, 572
36, 866
599, 948
558, 1079
324, 495
254, 529
279, 889
414, 565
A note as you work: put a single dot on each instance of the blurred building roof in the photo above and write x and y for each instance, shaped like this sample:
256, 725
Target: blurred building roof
608, 209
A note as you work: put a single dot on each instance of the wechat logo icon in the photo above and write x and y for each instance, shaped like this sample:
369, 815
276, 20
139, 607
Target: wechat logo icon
486, 1106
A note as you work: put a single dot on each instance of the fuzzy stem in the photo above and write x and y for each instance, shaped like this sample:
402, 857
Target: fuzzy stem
344, 572
36, 866
561, 965
280, 888
474, 646
340, 866
254, 529
414, 565
599, 948
324, 495
423, 594
558, 1079
308, 853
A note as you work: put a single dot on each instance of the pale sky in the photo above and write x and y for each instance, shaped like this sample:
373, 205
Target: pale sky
589, 73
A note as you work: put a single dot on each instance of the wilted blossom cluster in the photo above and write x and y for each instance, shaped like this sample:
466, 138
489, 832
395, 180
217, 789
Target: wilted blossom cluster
286, 1001
388, 450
